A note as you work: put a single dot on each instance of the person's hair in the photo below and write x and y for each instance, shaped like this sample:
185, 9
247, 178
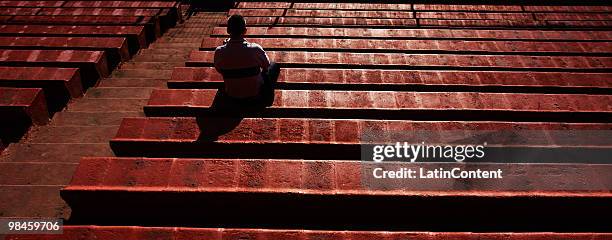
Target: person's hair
236, 25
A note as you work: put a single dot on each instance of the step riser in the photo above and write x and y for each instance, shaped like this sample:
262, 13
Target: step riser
336, 212
329, 195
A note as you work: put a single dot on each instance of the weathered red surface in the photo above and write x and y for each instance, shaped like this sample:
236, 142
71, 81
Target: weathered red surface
379, 77
121, 4
19, 11
320, 13
569, 8
360, 101
335, 6
480, 23
92, 64
100, 11
41, 77
129, 233
467, 7
135, 33
451, 46
469, 62
67, 56
489, 35
115, 46
347, 6
302, 21
263, 5
31, 3
326, 177
326, 193
30, 101
551, 63
40, 33
82, 20
512, 23
572, 16
303, 130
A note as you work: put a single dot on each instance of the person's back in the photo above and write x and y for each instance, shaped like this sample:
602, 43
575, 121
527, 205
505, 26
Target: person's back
241, 63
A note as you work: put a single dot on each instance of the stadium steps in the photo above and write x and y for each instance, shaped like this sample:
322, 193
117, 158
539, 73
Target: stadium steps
39, 164
322, 194
180, 181
492, 67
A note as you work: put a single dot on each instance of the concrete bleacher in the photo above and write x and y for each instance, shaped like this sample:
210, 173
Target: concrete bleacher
491, 67
291, 170
20, 108
62, 48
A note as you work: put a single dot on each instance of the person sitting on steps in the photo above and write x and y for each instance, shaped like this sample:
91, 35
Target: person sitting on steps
248, 74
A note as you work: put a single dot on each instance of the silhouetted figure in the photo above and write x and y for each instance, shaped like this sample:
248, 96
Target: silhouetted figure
248, 74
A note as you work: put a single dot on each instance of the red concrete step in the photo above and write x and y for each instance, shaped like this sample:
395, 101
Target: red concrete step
68, 118
40, 201
20, 108
480, 23
54, 152
423, 61
72, 134
332, 6
411, 80
170, 8
311, 138
475, 15
425, 46
467, 7
142, 73
545, 8
460, 34
115, 48
348, 6
74, 11
121, 4
31, 3
19, 11
126, 232
168, 16
580, 24
336, 22
135, 34
82, 20
512, 23
324, 194
392, 105
133, 82
152, 24
263, 5
572, 16
320, 13
151, 65
59, 84
93, 65
36, 173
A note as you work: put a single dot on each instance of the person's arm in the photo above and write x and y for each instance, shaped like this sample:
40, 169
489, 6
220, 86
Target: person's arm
264, 61
217, 60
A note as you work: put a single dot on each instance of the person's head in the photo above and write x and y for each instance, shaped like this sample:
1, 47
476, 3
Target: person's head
236, 26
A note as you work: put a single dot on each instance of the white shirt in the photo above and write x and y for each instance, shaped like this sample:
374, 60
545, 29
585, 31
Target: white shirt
238, 61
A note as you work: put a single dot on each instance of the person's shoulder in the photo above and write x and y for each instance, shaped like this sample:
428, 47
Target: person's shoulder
221, 47
254, 46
